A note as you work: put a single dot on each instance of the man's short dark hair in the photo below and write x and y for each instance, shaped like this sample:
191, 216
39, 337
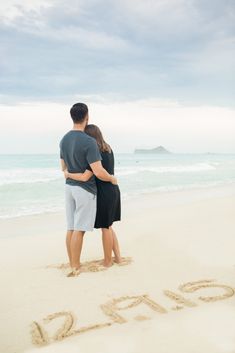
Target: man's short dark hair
79, 112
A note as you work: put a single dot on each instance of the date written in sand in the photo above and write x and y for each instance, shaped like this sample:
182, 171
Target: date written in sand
115, 308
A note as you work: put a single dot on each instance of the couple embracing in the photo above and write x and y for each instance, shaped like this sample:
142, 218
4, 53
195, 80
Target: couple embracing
92, 196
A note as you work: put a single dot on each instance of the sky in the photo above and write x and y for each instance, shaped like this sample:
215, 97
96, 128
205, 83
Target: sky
153, 72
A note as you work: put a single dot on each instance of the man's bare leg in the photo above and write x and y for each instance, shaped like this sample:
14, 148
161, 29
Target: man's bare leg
107, 239
68, 245
116, 248
76, 248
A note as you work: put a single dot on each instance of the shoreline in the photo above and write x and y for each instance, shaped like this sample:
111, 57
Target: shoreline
188, 193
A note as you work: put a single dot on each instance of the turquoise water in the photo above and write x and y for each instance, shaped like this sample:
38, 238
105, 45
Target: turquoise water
31, 184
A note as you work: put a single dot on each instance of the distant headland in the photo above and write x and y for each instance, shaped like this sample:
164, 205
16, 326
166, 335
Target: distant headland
157, 150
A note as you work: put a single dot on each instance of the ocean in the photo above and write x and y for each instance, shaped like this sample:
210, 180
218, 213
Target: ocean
34, 184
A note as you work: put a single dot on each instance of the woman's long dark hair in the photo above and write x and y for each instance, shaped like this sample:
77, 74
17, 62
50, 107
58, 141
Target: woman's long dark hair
94, 131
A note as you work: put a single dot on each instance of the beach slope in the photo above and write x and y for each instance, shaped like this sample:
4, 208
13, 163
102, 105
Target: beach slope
177, 295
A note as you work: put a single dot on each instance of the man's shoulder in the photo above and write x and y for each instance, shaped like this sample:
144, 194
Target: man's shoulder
84, 139
65, 136
89, 141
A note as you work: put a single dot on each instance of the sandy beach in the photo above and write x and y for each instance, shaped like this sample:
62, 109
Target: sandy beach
129, 92
177, 295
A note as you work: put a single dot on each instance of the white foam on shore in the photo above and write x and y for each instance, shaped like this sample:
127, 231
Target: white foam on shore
44, 175
29, 175
197, 167
43, 207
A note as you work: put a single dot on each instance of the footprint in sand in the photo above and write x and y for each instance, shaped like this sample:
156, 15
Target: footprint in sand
90, 266
141, 318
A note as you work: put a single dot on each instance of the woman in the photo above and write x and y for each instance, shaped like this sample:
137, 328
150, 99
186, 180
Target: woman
108, 198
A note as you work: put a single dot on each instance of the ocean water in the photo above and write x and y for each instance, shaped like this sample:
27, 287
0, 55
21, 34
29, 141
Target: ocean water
33, 184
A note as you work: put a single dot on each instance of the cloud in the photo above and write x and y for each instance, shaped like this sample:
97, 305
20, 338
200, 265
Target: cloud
134, 49
222, 50
11, 9
42, 20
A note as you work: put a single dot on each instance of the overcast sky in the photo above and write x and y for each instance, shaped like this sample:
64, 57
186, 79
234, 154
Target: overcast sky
152, 71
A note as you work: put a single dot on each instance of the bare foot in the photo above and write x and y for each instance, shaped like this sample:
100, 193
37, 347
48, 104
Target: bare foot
74, 273
107, 264
122, 261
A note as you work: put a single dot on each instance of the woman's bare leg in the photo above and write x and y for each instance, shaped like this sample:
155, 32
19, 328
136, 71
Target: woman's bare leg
107, 238
116, 248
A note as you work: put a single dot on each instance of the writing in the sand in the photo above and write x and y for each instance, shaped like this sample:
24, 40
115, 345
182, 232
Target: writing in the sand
114, 308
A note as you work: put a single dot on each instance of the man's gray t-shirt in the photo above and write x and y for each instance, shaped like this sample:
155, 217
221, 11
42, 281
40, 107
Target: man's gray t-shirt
79, 150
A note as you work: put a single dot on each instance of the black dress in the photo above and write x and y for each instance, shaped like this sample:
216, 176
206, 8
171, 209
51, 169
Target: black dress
108, 196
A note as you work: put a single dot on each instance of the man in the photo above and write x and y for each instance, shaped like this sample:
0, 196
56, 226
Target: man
78, 151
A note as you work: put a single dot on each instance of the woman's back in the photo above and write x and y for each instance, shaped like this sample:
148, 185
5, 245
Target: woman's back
108, 196
108, 161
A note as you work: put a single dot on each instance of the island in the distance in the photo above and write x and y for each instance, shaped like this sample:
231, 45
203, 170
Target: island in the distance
159, 150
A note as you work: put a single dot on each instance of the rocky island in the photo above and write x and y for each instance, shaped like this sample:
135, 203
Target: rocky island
158, 150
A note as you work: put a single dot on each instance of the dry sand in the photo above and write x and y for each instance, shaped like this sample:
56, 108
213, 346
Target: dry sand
177, 295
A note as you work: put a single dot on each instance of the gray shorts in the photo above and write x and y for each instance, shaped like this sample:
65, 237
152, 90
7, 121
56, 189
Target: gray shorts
80, 208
